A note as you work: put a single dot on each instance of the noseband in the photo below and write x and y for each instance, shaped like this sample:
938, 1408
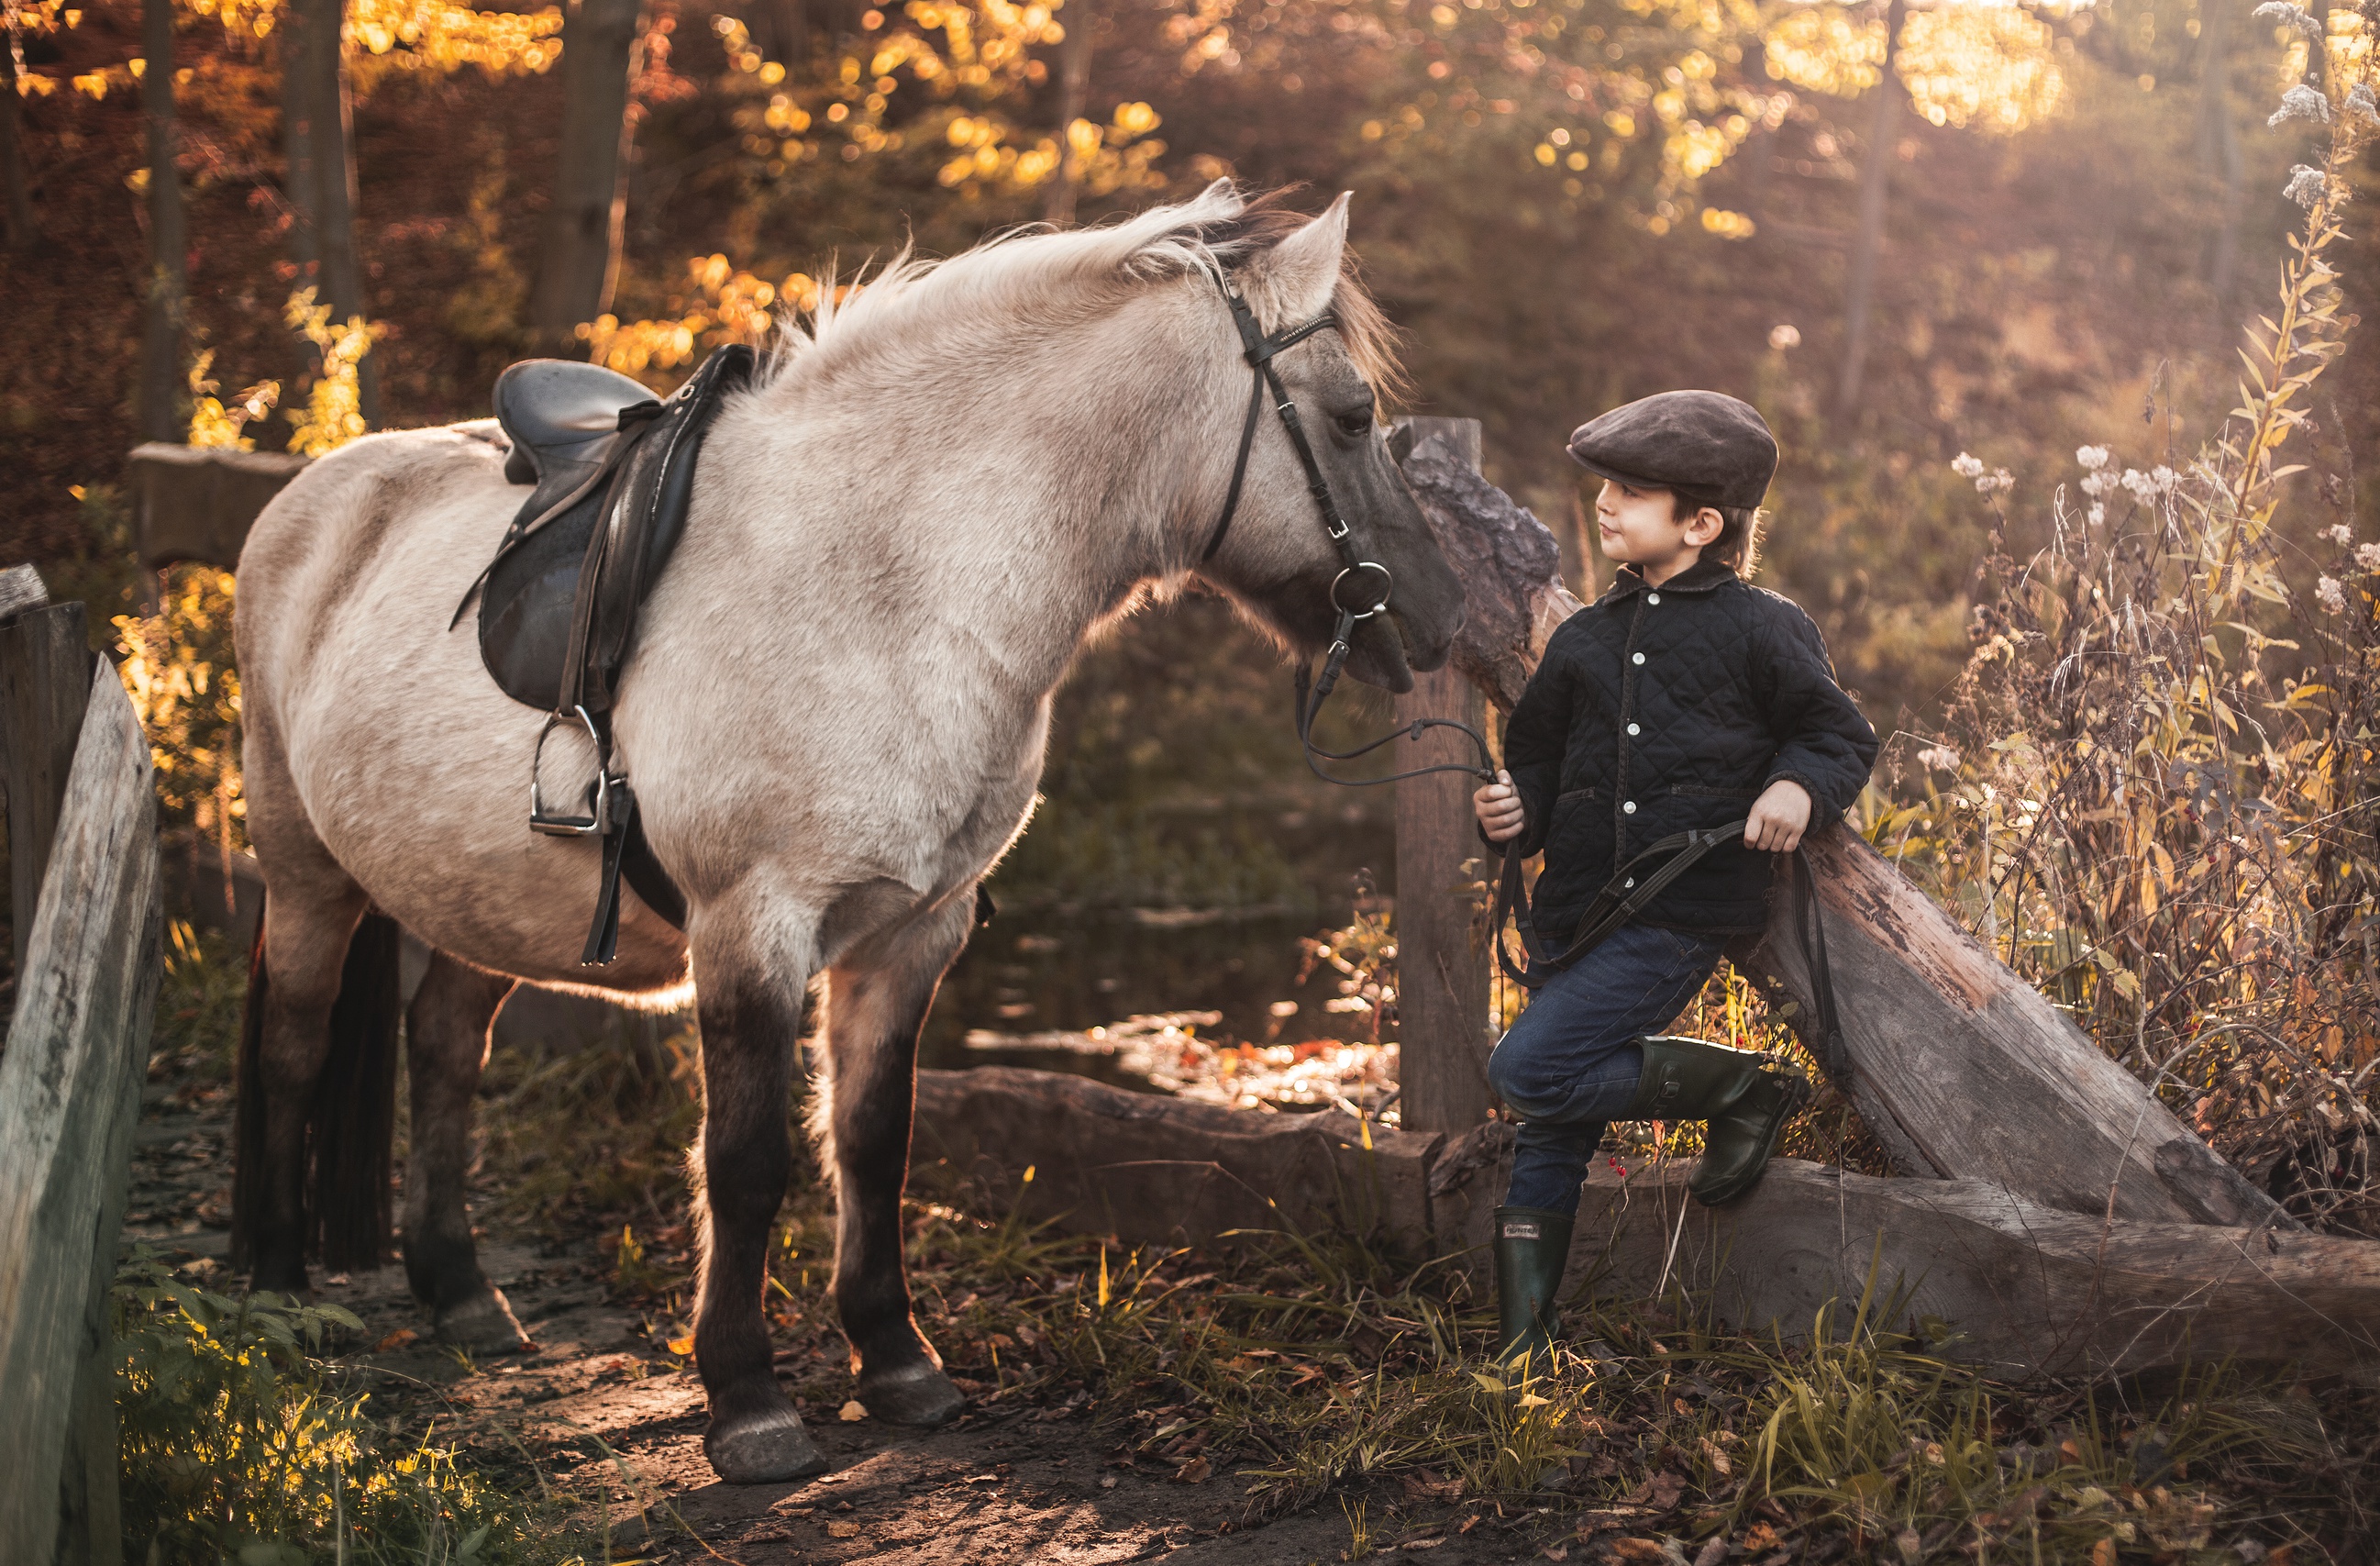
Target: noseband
1350, 603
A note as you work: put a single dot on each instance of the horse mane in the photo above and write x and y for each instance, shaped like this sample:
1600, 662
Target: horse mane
1065, 275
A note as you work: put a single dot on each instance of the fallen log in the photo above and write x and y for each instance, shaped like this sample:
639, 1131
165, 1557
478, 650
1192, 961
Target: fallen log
2019, 1288
1959, 1068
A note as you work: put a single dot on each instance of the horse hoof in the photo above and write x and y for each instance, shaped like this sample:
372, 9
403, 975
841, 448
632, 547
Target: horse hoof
765, 1449
916, 1394
485, 1322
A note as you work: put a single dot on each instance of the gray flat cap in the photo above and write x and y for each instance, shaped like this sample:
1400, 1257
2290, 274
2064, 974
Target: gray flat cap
1706, 445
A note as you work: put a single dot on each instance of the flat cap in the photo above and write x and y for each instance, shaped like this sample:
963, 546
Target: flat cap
1706, 445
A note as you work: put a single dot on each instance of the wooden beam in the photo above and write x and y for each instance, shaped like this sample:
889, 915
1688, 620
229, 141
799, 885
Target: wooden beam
2029, 1291
1959, 1068
69, 1097
1147, 1168
45, 675
1443, 1033
198, 503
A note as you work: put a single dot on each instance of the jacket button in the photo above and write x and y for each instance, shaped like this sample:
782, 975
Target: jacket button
1632, 729
1628, 884
1639, 658
1652, 598
1630, 807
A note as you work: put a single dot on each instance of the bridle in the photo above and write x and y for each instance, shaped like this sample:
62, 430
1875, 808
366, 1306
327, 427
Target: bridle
1351, 605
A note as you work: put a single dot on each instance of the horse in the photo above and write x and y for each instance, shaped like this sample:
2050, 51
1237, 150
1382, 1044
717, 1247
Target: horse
835, 709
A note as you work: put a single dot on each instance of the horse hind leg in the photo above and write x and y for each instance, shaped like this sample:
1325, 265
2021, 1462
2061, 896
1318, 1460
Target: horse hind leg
295, 984
875, 1012
446, 1048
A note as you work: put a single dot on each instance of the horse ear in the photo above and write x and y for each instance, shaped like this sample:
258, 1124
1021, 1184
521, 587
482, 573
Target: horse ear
1302, 272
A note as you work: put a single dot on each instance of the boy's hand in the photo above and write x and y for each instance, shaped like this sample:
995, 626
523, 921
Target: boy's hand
1779, 817
1498, 806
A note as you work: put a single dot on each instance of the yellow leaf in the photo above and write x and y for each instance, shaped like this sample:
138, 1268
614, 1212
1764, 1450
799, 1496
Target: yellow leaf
852, 1411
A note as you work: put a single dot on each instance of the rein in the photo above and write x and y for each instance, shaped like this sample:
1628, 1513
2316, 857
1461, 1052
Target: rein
1623, 897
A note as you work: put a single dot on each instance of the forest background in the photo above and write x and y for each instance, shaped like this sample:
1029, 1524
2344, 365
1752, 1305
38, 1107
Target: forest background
2049, 222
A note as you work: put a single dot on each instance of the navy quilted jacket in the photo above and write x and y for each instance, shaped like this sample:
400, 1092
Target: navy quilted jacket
1658, 710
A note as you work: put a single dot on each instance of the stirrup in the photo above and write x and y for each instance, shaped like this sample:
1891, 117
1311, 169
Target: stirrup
540, 819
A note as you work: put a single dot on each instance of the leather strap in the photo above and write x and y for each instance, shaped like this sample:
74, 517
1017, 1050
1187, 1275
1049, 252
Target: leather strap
1623, 897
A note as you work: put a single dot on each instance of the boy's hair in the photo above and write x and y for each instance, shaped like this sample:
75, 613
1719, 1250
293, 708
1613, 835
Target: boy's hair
1738, 544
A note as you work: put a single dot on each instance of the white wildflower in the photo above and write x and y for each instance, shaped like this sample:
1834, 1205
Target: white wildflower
2284, 14
2000, 480
2301, 103
2305, 186
2360, 101
2097, 514
2092, 457
2100, 483
2333, 596
2144, 488
1967, 466
2163, 477
2367, 558
2339, 533
1941, 757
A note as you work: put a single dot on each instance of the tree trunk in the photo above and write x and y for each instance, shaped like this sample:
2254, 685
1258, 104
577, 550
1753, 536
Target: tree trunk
580, 258
162, 414
780, 29
22, 231
2219, 154
1074, 85
1875, 182
325, 121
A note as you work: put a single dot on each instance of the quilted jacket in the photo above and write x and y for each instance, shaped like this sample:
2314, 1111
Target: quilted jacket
1660, 709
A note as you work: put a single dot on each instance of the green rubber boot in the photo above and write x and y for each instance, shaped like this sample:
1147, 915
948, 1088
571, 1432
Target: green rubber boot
1532, 1243
1743, 1099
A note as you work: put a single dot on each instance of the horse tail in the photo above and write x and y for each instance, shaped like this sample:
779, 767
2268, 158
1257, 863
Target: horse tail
351, 1129
248, 1109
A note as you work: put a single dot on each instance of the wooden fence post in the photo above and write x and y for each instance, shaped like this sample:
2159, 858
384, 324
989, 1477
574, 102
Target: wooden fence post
70, 1079
45, 667
1442, 961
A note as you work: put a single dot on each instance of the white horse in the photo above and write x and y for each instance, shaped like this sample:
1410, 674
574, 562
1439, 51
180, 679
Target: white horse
835, 714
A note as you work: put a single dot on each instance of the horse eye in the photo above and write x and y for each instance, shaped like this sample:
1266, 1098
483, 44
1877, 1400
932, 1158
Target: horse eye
1356, 423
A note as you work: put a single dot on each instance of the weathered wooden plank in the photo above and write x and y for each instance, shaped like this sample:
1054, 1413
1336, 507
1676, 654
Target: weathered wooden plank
1158, 1170
69, 1096
2031, 1291
45, 674
20, 589
1974, 1072
1959, 1065
1442, 959
198, 503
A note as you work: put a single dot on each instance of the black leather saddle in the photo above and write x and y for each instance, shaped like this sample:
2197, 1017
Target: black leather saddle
613, 471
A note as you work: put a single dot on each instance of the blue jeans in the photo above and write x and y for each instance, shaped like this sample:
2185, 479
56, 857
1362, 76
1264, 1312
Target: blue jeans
1569, 1067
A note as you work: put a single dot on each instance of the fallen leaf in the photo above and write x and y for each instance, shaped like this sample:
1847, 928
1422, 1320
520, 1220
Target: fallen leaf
1108, 1483
843, 1530
682, 1345
1712, 1551
2281, 1556
2104, 1553
1556, 1552
1195, 1471
397, 1339
1421, 1544
1913, 1549
1637, 1551
1717, 1459
852, 1411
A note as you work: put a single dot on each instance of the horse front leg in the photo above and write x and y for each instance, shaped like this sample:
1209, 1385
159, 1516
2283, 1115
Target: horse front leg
447, 1048
876, 1006
750, 1021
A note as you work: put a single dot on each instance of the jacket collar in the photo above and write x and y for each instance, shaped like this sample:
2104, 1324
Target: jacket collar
1702, 577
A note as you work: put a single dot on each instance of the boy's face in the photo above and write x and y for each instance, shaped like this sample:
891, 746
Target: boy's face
1641, 527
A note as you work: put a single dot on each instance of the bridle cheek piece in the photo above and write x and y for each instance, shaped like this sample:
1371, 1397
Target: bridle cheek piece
1349, 604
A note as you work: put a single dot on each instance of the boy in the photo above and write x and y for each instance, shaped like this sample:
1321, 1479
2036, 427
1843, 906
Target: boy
1683, 699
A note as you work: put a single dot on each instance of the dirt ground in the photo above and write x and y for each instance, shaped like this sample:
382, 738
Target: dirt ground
614, 1421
